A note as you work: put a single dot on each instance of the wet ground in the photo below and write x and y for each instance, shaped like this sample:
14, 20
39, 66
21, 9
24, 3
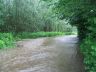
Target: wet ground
59, 54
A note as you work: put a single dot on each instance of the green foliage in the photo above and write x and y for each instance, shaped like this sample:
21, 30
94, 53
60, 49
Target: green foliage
29, 16
88, 48
2, 44
25, 35
6, 40
87, 35
81, 13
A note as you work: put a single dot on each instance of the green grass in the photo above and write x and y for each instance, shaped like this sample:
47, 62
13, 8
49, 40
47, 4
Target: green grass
26, 35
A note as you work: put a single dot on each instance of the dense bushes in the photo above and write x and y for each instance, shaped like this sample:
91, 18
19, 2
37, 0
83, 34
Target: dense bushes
86, 24
88, 45
6, 40
88, 48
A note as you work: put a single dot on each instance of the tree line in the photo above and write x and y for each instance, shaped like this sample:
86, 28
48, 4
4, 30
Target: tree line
30, 16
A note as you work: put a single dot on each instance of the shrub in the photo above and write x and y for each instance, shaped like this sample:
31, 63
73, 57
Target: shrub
2, 44
88, 48
6, 40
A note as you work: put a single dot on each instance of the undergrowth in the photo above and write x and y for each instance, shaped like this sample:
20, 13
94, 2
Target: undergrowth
88, 48
6, 40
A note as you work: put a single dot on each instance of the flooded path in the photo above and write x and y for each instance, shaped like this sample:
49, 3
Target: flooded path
59, 54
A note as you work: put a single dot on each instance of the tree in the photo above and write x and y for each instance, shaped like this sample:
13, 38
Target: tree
78, 12
81, 13
1, 14
28, 16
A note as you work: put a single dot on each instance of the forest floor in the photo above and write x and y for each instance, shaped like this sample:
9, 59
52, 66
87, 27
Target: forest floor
51, 54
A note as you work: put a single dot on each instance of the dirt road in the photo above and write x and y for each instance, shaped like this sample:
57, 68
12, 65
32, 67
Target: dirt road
57, 54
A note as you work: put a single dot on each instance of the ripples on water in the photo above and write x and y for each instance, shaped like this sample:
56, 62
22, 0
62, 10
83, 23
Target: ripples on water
42, 55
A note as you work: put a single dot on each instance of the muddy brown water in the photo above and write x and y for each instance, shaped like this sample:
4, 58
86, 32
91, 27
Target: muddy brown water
59, 54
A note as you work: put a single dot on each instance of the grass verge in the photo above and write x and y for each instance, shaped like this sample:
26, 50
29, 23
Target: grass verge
30, 35
7, 39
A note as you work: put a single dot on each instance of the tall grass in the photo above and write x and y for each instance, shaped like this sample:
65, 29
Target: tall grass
25, 35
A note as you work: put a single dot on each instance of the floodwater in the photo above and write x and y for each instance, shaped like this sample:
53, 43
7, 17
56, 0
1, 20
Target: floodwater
53, 54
